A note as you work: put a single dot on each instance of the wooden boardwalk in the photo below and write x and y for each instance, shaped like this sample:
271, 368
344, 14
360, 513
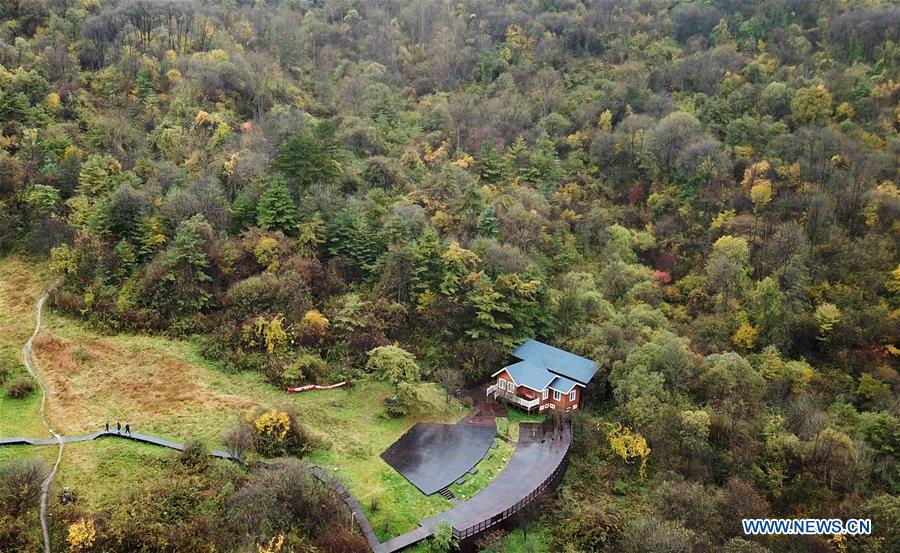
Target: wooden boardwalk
540, 455
534, 468
358, 515
355, 508
134, 436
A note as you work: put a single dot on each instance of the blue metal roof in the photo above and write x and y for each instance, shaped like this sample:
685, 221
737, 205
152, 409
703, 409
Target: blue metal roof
532, 376
563, 384
557, 361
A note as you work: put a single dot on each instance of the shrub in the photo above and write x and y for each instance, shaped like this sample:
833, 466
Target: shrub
16, 534
306, 367
279, 433
195, 454
312, 328
342, 540
81, 535
239, 440
285, 497
20, 485
443, 541
20, 388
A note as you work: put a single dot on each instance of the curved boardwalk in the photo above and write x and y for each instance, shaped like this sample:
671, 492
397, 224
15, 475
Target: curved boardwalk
535, 468
351, 502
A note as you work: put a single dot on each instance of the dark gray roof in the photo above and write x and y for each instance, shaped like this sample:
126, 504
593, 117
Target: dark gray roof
557, 361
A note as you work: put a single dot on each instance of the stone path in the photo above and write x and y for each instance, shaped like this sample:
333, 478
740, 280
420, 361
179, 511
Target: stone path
28, 360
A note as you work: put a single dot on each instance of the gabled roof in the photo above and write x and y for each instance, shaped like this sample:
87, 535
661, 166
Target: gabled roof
531, 376
560, 362
563, 384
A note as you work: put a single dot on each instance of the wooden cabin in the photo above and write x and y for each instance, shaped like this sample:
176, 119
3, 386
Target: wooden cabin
545, 378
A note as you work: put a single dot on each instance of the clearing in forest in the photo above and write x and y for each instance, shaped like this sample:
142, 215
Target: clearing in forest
164, 387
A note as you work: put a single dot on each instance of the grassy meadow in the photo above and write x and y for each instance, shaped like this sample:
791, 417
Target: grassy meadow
164, 387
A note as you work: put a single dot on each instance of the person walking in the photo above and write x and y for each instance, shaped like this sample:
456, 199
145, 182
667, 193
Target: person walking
119, 426
128, 429
107, 427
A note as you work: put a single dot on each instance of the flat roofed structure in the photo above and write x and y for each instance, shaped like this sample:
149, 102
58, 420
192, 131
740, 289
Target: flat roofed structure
433, 456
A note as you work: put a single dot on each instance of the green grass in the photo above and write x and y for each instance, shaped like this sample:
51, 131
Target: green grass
515, 417
356, 432
165, 387
538, 541
104, 471
20, 417
20, 284
488, 469
10, 452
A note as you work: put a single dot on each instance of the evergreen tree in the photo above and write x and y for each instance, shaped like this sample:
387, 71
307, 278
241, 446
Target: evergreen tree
276, 209
350, 234
181, 284
491, 167
491, 320
93, 178
398, 268
309, 158
488, 224
429, 269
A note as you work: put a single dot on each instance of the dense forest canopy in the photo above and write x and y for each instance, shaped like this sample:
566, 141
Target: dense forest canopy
701, 196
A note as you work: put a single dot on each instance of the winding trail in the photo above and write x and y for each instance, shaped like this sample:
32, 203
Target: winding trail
28, 360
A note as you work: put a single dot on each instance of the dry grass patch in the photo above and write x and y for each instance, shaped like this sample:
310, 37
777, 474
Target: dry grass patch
91, 380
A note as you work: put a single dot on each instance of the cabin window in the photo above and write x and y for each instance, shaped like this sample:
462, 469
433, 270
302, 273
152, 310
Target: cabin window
502, 384
557, 395
544, 393
572, 395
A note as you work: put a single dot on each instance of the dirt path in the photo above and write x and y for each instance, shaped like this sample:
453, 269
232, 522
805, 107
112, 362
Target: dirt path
28, 360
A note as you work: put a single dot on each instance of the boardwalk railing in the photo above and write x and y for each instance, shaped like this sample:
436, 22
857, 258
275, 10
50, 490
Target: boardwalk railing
545, 488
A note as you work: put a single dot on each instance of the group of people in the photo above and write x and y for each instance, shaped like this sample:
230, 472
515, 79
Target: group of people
119, 427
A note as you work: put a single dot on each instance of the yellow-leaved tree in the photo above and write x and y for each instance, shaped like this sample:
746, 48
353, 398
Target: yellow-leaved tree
756, 180
629, 445
268, 332
274, 545
82, 535
273, 424
312, 327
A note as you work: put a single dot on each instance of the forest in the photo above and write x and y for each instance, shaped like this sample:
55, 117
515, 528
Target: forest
701, 196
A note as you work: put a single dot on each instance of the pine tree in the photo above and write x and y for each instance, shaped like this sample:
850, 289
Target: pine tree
310, 158
491, 167
488, 224
276, 209
429, 270
93, 179
491, 312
